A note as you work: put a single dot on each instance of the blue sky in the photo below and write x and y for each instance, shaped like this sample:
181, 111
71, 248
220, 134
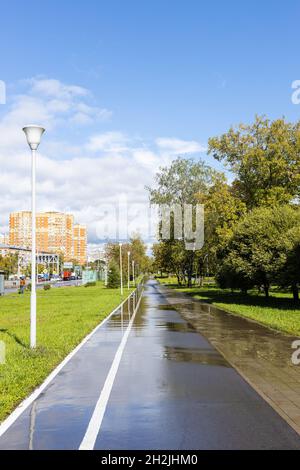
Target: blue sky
151, 70
164, 67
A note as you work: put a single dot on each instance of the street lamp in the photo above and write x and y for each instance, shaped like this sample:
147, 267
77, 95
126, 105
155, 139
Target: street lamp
99, 254
121, 269
33, 134
128, 270
133, 276
106, 272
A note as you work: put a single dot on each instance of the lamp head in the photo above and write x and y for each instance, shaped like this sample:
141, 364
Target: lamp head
33, 135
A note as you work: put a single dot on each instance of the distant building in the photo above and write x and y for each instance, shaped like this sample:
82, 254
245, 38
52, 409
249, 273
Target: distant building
55, 232
20, 229
80, 243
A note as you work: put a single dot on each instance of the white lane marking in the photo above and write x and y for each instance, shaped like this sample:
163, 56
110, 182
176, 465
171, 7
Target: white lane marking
89, 440
5, 425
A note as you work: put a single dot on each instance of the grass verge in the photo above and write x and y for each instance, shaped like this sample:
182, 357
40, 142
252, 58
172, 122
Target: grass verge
279, 311
64, 317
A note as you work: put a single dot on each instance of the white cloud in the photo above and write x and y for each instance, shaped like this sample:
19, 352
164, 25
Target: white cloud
180, 147
82, 178
109, 142
145, 157
55, 88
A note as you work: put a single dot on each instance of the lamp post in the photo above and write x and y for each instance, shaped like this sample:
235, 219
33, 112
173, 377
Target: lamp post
33, 134
133, 275
128, 281
106, 272
121, 269
99, 254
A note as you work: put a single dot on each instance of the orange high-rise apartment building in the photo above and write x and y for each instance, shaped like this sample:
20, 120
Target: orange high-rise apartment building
55, 232
80, 243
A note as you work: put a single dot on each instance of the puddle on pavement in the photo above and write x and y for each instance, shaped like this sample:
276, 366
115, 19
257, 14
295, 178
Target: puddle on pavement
166, 307
240, 338
176, 327
203, 356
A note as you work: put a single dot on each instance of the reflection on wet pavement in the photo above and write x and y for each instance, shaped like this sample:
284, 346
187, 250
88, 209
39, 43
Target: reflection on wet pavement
208, 357
171, 326
262, 355
174, 390
58, 418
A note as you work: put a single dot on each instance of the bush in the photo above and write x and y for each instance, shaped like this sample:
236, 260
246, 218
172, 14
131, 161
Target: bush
259, 249
90, 284
47, 287
229, 277
113, 279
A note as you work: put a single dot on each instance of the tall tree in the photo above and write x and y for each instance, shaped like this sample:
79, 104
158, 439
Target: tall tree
181, 183
223, 210
265, 158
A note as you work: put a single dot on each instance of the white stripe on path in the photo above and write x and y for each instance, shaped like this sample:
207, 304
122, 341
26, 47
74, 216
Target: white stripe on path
8, 422
89, 440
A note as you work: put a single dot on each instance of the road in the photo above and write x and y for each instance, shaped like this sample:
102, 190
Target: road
147, 381
14, 290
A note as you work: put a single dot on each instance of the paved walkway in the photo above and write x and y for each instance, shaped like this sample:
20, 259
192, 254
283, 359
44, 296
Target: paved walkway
149, 381
261, 355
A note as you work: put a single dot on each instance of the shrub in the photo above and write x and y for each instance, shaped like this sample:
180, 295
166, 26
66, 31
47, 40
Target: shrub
90, 284
47, 286
258, 251
113, 279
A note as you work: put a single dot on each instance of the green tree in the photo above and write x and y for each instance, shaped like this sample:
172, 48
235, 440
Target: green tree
289, 276
9, 264
258, 250
113, 278
265, 158
138, 253
223, 210
170, 257
181, 183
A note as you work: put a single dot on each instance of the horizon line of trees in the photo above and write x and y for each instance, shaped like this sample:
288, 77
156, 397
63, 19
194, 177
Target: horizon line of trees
252, 225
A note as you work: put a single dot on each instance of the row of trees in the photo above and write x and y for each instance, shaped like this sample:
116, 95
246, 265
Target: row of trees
138, 253
252, 224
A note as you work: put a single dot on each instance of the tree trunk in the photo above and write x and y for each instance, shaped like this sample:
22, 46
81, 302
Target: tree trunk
190, 268
266, 290
295, 291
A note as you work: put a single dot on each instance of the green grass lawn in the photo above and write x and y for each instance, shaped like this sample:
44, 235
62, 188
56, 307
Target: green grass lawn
279, 311
64, 317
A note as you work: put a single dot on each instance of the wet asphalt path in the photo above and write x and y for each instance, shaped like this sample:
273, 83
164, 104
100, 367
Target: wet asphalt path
172, 390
